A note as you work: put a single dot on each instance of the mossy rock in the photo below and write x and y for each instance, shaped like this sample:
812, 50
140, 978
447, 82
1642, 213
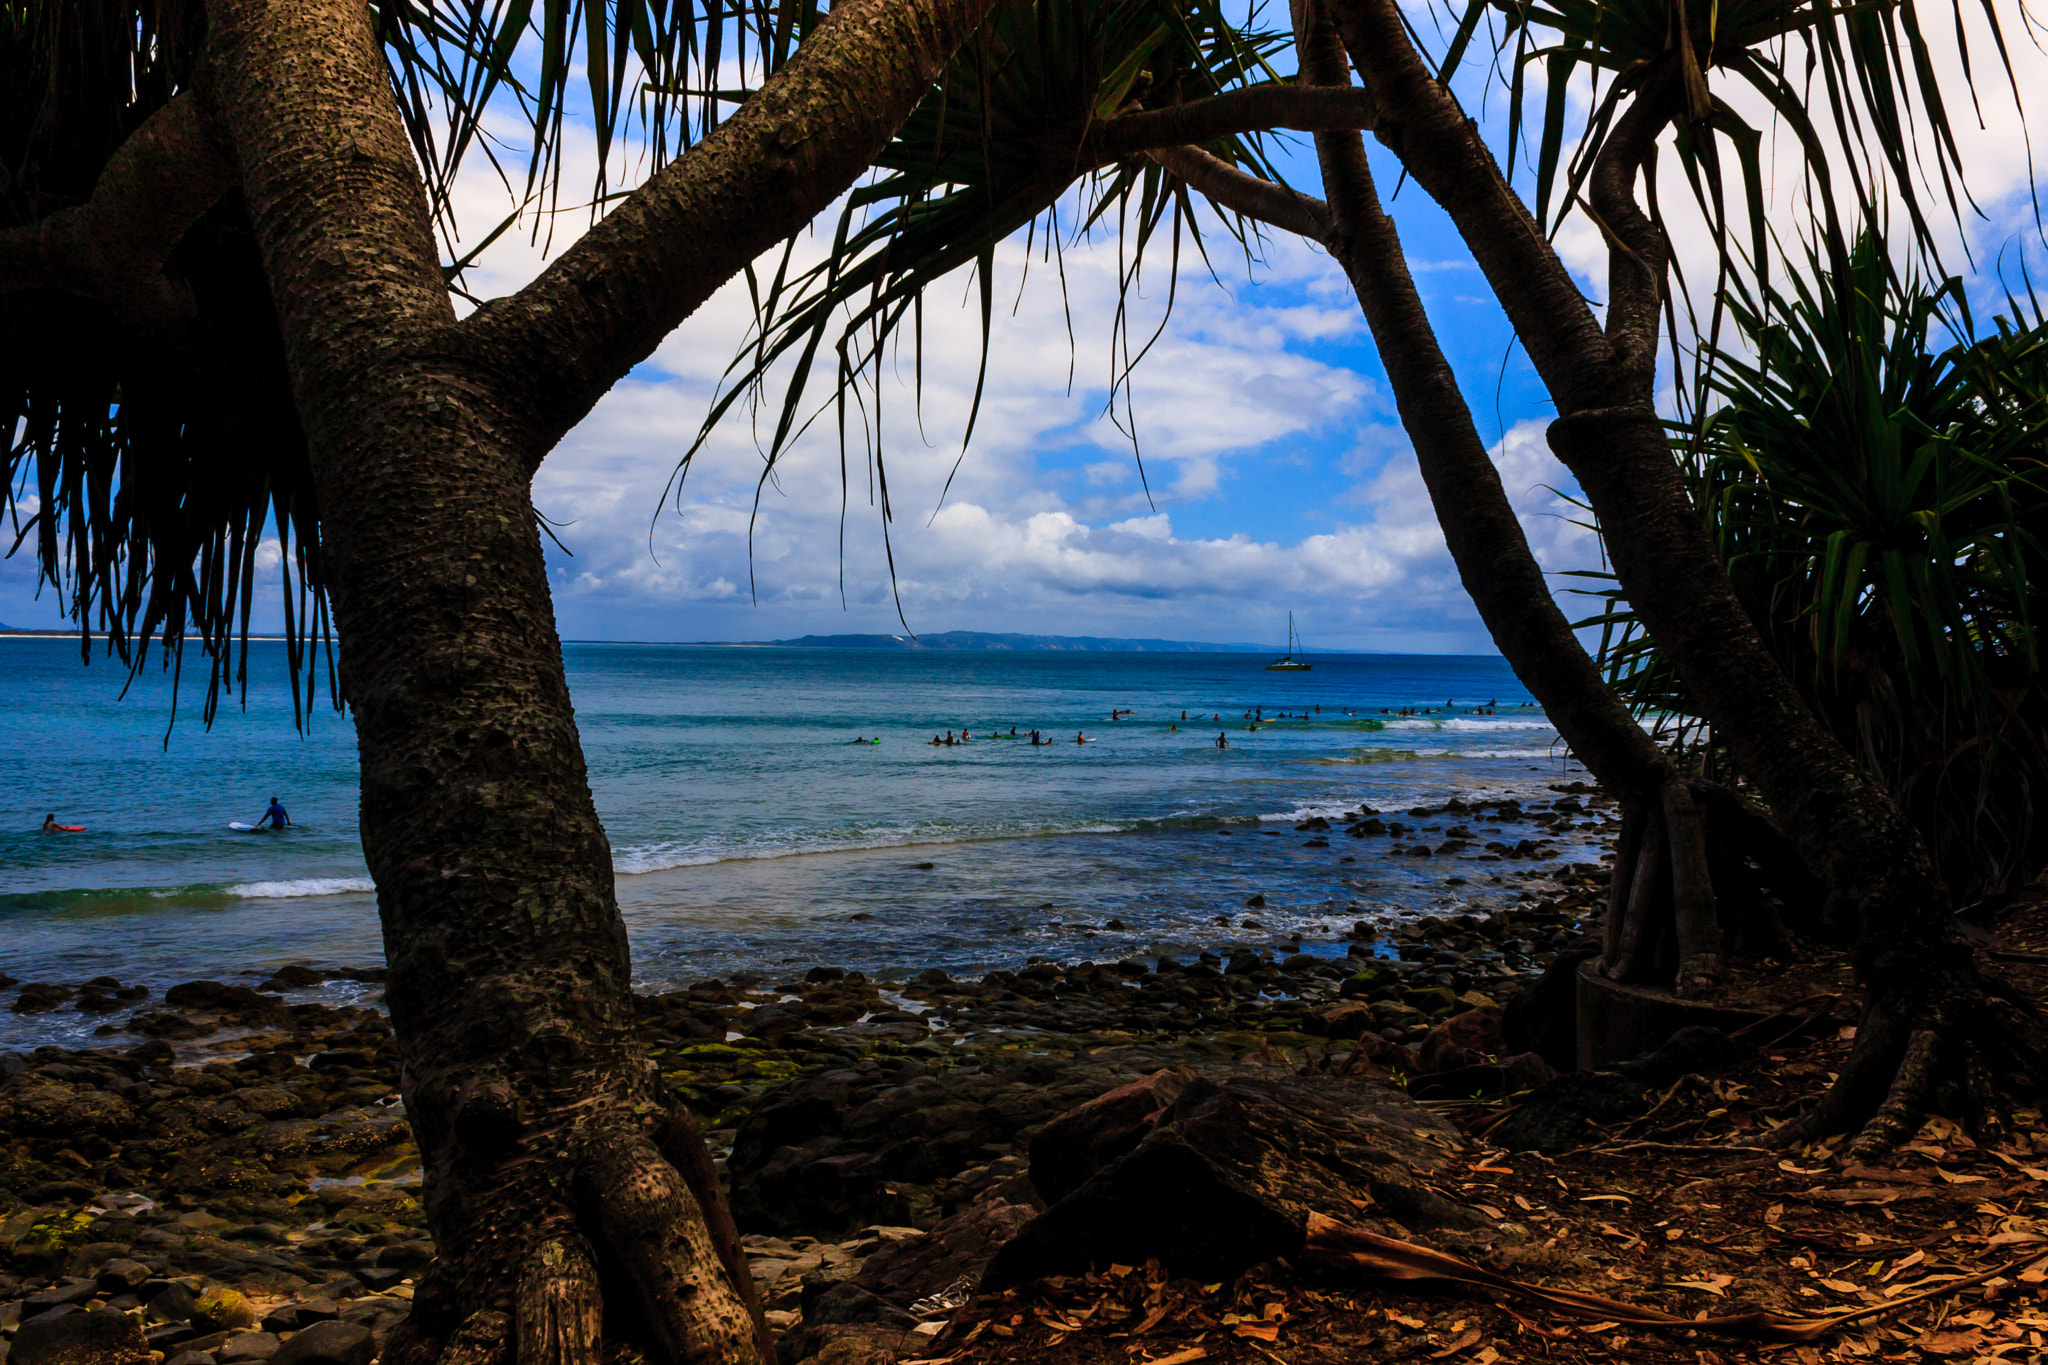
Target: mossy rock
45, 1242
221, 1309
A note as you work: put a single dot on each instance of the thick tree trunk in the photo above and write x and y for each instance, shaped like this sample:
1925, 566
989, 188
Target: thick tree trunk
573, 1204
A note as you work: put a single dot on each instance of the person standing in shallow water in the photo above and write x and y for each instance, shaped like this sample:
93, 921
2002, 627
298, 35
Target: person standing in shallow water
277, 815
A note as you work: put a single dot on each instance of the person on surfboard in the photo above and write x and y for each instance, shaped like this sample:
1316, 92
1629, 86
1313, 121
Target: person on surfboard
50, 825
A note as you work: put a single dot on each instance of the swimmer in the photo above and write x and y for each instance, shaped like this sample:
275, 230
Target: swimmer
1222, 740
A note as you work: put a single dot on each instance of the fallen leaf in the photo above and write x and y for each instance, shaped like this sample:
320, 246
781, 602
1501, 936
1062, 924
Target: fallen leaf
1492, 1170
1954, 1179
1468, 1337
1711, 1284
1843, 1286
1414, 1324
1182, 1357
1258, 1331
1961, 1343
1608, 1198
1490, 1211
1802, 1170
1905, 1263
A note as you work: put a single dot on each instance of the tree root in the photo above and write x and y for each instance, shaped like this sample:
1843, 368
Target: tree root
632, 1256
1942, 1052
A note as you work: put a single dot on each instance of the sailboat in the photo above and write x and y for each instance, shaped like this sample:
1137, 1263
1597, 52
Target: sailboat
1288, 663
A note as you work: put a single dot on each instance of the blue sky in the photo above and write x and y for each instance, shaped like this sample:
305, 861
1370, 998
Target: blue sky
1280, 479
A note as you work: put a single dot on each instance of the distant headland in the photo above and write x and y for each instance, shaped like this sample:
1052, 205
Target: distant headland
983, 640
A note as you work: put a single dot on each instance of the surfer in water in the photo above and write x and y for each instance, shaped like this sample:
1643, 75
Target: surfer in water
277, 815
50, 825
1222, 740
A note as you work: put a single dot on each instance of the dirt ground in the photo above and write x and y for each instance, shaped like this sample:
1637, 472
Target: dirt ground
1942, 1249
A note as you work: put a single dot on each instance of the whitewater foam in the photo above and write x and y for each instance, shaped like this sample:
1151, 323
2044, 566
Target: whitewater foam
308, 886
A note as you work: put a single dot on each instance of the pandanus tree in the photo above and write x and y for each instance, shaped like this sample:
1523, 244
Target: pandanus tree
1668, 79
224, 308
1872, 472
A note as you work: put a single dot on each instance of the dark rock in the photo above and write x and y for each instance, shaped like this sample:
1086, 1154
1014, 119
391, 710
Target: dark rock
65, 1336
293, 1317
122, 1275
219, 998
190, 1358
1083, 1140
1254, 901
1468, 1039
1229, 1174
249, 1346
1543, 1016
378, 1278
328, 1343
293, 977
825, 974
958, 1248
39, 997
174, 1304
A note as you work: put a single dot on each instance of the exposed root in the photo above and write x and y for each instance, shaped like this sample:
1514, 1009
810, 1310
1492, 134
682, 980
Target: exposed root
1694, 918
656, 1229
1905, 1105
561, 1306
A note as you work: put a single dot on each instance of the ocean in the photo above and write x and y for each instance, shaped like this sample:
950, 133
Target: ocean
750, 834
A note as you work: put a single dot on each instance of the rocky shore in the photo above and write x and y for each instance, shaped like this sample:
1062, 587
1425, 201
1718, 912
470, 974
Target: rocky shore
230, 1177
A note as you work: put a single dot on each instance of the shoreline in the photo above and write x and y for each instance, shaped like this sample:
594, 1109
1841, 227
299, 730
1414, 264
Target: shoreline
244, 1144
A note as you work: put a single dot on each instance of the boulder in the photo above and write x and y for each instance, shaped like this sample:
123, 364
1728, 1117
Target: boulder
1343, 1020
219, 998
67, 1336
1229, 1174
248, 1346
1082, 1141
38, 997
221, 1309
1467, 1039
328, 1343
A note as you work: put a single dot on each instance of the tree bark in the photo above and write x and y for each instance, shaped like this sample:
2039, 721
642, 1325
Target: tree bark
571, 1200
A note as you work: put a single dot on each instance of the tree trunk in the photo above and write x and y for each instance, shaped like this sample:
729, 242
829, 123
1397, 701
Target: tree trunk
573, 1204
1495, 563
1849, 831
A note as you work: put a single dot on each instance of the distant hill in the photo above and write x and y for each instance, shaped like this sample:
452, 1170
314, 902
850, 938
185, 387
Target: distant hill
982, 640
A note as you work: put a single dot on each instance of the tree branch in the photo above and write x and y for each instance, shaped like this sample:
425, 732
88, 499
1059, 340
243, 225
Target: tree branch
1275, 205
1423, 125
1300, 108
1480, 527
559, 344
114, 247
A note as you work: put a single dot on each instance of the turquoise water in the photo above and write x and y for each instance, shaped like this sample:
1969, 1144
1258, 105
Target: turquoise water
747, 832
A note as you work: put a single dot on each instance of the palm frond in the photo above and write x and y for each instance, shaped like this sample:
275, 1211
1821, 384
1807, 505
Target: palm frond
1881, 501
1854, 84
145, 472
992, 152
